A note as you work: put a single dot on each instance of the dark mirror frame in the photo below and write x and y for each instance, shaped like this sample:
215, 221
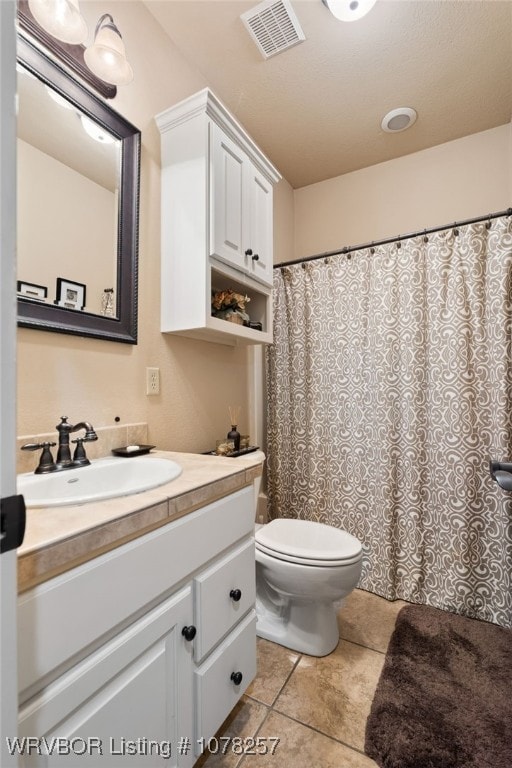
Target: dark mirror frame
46, 317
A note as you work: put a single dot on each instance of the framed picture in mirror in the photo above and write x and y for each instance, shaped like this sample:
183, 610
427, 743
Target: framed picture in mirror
32, 291
70, 294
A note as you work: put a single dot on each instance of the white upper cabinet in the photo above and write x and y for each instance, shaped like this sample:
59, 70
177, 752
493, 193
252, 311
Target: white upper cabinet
217, 221
241, 232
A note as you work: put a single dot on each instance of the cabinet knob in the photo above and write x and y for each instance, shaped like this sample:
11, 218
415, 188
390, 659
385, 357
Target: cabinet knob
235, 595
189, 632
248, 252
255, 257
236, 677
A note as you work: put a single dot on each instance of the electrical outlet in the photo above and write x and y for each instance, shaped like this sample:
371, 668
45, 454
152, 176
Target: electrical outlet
152, 381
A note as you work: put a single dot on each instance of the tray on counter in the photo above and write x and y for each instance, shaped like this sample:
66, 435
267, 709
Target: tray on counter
234, 454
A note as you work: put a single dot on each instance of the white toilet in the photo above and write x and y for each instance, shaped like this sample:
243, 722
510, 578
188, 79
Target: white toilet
302, 569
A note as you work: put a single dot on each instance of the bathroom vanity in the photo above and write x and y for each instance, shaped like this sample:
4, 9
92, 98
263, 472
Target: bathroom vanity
145, 640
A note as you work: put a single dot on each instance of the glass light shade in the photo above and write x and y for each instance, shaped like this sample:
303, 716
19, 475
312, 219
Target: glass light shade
61, 19
107, 57
58, 99
349, 10
95, 131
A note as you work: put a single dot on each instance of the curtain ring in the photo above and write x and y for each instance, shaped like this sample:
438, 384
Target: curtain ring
303, 265
488, 223
372, 250
455, 232
398, 244
425, 236
349, 256
326, 261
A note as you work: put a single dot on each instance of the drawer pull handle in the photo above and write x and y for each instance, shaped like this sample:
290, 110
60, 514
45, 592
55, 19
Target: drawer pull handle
255, 257
248, 252
189, 632
236, 677
235, 595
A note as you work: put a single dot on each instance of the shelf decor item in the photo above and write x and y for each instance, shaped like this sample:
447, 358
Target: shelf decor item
234, 434
229, 305
224, 447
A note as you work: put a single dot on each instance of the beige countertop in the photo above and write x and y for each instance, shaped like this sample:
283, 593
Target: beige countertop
59, 538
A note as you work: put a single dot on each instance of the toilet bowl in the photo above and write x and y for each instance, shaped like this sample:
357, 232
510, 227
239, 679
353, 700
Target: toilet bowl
302, 569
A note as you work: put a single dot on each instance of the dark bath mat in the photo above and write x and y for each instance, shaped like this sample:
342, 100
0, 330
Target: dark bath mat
444, 697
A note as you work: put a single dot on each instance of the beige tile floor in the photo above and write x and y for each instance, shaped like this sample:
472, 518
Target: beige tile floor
315, 707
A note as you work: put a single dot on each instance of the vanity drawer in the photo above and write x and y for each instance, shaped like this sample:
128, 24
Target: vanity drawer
216, 691
223, 595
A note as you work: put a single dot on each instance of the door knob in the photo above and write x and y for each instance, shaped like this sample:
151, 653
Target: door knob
235, 595
501, 471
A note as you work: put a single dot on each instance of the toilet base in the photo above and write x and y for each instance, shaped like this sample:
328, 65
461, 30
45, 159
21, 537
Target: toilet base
310, 628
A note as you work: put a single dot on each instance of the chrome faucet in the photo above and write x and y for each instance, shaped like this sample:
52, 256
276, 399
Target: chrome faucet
64, 460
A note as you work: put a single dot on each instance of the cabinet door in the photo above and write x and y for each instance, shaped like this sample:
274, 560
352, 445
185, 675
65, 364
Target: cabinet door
258, 241
129, 703
226, 208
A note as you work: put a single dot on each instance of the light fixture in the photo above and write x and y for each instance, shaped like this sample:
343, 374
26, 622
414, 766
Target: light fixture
58, 99
398, 119
61, 19
106, 57
95, 131
349, 10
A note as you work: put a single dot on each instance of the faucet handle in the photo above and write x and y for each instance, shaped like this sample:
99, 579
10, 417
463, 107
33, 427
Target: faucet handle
46, 462
36, 446
79, 457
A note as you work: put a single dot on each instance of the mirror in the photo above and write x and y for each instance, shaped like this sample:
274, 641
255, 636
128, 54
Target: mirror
78, 190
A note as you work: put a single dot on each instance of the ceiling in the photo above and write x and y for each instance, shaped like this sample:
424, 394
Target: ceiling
316, 108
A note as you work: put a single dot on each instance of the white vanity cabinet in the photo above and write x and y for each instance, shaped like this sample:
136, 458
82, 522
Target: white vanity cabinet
145, 649
217, 221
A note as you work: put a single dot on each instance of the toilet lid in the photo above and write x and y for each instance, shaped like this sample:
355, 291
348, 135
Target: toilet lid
308, 542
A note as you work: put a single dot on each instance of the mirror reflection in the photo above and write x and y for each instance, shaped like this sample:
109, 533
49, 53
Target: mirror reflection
68, 182
78, 206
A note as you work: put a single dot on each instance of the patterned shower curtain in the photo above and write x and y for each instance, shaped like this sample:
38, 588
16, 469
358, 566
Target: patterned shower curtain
389, 388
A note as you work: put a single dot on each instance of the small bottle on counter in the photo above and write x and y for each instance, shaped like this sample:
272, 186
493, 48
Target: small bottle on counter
234, 435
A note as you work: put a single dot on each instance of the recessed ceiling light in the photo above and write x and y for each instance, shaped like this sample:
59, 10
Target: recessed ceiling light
398, 119
349, 10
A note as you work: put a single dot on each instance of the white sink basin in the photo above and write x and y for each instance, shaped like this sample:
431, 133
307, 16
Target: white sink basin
102, 479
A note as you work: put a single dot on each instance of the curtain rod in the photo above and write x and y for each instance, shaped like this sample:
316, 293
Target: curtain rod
397, 239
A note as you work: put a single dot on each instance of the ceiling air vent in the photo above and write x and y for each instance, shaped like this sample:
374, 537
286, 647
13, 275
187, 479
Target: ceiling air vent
273, 26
